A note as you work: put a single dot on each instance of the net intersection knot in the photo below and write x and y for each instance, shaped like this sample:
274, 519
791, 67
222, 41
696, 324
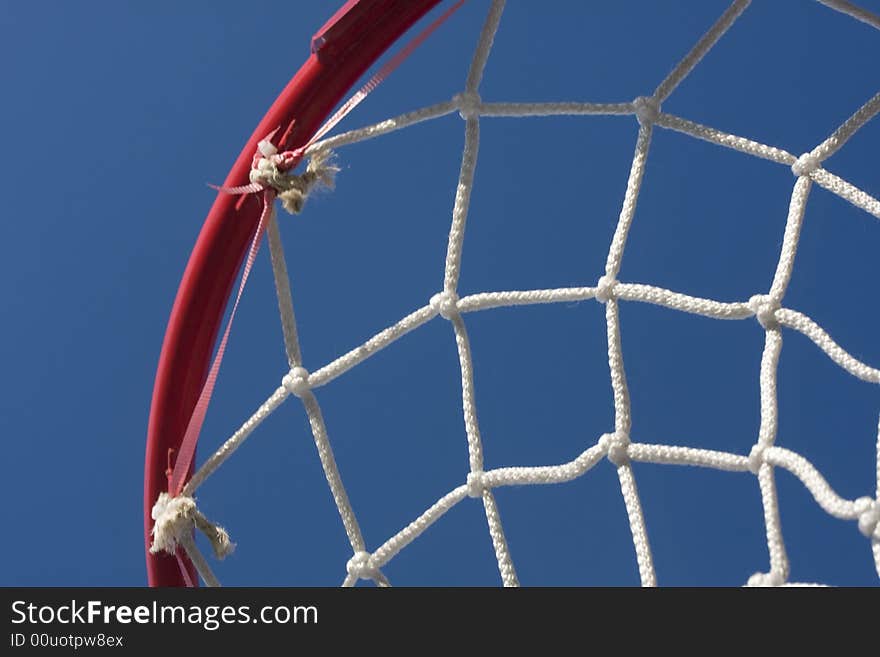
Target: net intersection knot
869, 517
475, 484
361, 567
756, 458
176, 517
616, 447
296, 381
764, 306
468, 104
445, 304
806, 164
647, 110
605, 288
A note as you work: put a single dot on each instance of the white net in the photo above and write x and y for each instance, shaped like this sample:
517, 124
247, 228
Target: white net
766, 307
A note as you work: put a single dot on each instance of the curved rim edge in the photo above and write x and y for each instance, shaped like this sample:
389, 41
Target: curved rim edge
345, 47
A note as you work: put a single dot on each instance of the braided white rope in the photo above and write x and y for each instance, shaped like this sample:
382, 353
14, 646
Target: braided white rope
764, 457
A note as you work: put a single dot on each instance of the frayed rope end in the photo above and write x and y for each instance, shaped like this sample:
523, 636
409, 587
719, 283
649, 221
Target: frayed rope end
175, 518
320, 172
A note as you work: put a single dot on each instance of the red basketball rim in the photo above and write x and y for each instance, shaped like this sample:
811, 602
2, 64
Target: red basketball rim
342, 50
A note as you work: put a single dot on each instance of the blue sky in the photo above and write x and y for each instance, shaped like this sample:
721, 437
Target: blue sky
116, 115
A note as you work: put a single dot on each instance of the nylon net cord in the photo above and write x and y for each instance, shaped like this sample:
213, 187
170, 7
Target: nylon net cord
764, 457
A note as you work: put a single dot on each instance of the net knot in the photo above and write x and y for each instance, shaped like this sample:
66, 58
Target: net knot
174, 520
272, 170
445, 304
647, 109
806, 164
360, 566
468, 104
765, 307
296, 381
475, 486
266, 173
766, 579
869, 517
756, 457
615, 446
605, 288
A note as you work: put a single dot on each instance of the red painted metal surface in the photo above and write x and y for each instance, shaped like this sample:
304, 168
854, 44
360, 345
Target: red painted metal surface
342, 50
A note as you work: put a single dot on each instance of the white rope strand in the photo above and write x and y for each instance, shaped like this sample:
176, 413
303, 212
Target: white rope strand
371, 347
331, 471
877, 489
785, 265
282, 291
852, 125
417, 527
847, 191
622, 419
704, 45
235, 441
853, 10
757, 459
488, 300
484, 46
546, 474
627, 212
672, 455
499, 541
520, 110
468, 400
384, 127
803, 324
683, 302
198, 560
637, 525
779, 565
875, 539
462, 202
769, 408
715, 136
824, 495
